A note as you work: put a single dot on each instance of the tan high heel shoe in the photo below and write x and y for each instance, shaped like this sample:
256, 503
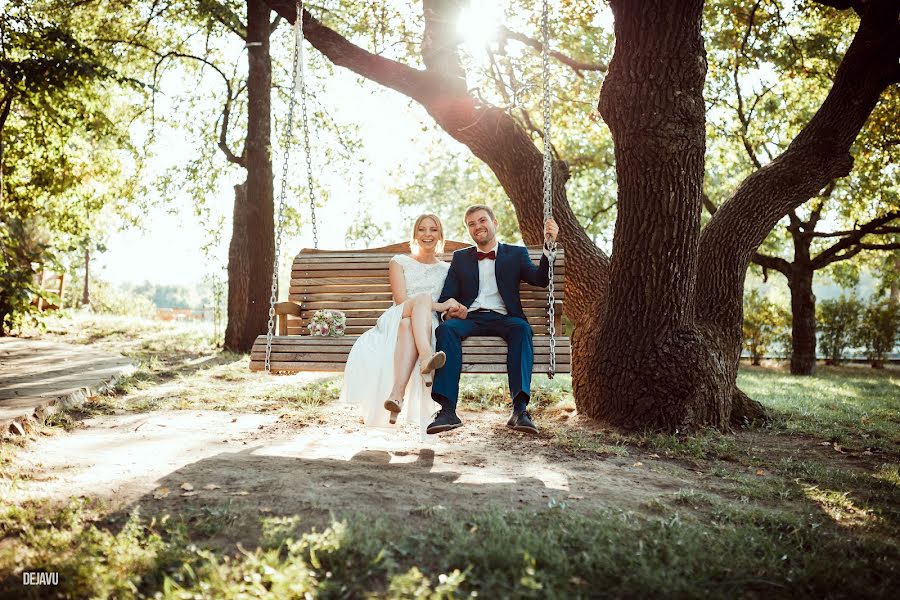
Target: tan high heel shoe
437, 360
394, 405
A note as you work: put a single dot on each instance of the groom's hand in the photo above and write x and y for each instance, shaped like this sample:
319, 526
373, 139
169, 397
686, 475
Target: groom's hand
457, 312
551, 230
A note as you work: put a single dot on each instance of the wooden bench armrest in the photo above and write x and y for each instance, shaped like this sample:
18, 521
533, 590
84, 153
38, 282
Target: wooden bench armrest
282, 311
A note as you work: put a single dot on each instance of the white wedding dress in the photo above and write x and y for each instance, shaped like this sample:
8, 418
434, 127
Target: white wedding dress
369, 373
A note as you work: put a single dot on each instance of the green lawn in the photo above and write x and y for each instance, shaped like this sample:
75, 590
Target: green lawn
852, 406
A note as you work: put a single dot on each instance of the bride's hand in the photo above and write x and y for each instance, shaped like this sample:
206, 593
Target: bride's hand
445, 306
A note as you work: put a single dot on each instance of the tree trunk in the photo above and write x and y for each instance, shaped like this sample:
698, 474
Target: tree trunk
653, 366
251, 252
894, 298
85, 293
803, 304
803, 320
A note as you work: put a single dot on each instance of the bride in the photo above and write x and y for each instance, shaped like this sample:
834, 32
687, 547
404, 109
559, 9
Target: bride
380, 375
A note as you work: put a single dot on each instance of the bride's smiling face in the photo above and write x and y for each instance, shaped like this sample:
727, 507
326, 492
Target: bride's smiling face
428, 235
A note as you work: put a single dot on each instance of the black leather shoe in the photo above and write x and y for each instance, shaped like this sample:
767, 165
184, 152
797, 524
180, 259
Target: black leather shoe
521, 421
444, 420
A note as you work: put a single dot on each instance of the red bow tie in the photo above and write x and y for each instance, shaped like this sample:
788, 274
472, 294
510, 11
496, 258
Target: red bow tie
482, 255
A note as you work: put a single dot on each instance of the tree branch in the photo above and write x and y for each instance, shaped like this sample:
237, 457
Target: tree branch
775, 263
4, 113
440, 42
226, 110
576, 65
708, 204
852, 240
220, 12
815, 215
422, 86
880, 246
742, 117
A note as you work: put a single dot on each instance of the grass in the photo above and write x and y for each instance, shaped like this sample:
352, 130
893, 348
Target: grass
852, 406
180, 366
769, 511
725, 552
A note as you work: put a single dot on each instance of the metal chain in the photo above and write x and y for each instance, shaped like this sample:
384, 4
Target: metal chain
270, 332
309, 171
548, 183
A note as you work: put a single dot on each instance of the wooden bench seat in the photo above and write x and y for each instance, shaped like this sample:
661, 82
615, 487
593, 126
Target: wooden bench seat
356, 282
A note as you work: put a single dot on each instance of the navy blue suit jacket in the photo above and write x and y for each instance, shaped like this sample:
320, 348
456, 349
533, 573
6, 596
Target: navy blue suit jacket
512, 267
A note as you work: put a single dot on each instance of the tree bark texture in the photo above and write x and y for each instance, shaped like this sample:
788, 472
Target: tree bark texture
252, 249
803, 322
652, 366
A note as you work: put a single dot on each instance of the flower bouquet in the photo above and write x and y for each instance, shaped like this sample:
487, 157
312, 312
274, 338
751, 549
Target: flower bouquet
328, 323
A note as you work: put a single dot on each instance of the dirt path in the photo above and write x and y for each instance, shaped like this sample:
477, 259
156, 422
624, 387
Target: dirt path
250, 463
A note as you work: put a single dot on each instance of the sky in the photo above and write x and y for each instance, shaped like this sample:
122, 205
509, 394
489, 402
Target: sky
166, 248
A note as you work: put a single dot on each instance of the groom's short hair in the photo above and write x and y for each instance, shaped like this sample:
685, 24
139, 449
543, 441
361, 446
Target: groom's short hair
476, 208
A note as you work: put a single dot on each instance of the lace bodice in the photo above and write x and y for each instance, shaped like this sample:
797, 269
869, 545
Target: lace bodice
420, 277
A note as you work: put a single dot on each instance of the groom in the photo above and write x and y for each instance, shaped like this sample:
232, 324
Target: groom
485, 281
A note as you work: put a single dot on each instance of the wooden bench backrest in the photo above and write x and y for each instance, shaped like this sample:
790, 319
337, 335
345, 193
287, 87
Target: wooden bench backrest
356, 282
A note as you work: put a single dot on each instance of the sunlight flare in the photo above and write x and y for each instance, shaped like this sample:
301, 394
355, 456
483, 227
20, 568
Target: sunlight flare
479, 23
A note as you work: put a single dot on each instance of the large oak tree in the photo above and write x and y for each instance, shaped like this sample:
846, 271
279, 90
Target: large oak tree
658, 331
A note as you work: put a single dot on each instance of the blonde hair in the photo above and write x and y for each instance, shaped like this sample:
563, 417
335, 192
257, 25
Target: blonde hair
414, 245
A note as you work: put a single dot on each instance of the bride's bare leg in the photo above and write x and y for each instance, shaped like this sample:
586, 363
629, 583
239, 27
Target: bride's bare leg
421, 325
404, 361
404, 358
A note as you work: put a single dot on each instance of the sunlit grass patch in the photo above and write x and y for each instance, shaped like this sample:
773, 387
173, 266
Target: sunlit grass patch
889, 473
865, 492
847, 405
179, 366
839, 506
91, 561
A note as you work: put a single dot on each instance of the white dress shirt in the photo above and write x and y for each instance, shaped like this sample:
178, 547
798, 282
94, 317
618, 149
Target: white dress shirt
488, 294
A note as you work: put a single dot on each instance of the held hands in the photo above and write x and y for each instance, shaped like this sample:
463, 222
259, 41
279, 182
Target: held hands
459, 311
451, 309
551, 230
443, 307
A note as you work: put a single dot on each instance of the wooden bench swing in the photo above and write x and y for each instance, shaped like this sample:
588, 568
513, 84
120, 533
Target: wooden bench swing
356, 281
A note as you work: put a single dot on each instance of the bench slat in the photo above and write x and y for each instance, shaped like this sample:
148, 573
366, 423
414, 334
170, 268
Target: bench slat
349, 340
293, 367
471, 358
538, 330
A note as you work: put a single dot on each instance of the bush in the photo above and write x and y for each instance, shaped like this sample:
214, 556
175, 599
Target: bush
838, 321
20, 250
765, 323
878, 331
110, 300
